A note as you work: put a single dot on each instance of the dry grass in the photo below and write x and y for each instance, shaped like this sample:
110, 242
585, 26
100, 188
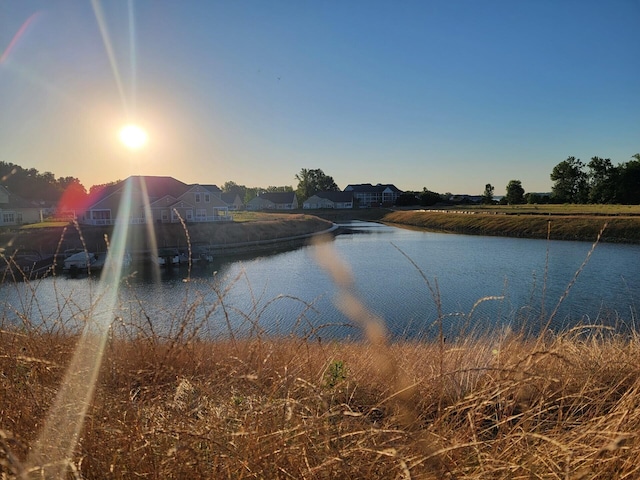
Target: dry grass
560, 227
254, 227
565, 407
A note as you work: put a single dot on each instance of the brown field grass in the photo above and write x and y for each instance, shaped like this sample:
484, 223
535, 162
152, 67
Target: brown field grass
255, 227
502, 407
624, 229
560, 209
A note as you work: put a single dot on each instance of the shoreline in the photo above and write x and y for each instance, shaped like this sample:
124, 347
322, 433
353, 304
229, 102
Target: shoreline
273, 231
588, 228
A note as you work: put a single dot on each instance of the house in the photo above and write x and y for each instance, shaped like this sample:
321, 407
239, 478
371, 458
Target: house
274, 201
367, 195
329, 200
157, 200
465, 199
15, 210
233, 201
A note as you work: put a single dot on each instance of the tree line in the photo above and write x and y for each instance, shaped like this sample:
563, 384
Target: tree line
310, 182
28, 182
599, 181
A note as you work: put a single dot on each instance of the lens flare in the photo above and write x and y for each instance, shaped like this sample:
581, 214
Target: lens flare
133, 136
14, 41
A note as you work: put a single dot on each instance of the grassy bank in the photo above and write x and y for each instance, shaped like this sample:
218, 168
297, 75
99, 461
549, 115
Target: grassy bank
501, 407
524, 224
251, 228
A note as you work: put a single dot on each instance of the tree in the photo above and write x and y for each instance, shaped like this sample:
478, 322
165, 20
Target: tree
487, 196
311, 181
286, 188
407, 199
515, 193
570, 182
95, 189
602, 179
629, 182
429, 198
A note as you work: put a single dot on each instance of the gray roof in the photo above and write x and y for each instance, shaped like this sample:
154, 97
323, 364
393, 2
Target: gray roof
336, 197
229, 197
211, 188
367, 187
279, 197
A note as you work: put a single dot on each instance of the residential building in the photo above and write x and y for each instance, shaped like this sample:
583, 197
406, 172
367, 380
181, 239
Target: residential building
157, 200
233, 201
274, 201
329, 200
15, 210
367, 195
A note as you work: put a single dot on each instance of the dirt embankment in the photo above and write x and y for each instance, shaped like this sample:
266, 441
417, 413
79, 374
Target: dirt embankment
57, 239
558, 227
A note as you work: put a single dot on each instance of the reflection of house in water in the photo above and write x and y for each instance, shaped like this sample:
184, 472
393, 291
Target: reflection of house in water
157, 200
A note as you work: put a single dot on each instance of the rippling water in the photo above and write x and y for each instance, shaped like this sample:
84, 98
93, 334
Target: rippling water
288, 293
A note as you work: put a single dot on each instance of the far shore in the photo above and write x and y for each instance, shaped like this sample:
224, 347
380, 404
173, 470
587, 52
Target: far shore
618, 224
265, 231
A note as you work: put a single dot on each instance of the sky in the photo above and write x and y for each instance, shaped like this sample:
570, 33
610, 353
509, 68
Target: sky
447, 95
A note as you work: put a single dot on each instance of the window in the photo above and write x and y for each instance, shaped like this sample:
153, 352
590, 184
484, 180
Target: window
197, 198
165, 215
207, 198
8, 217
189, 215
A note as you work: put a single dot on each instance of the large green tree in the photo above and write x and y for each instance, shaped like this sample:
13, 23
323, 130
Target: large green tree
30, 184
311, 181
602, 178
515, 193
628, 185
570, 182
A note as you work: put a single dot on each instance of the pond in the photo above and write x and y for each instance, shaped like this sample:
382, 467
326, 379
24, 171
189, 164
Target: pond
416, 281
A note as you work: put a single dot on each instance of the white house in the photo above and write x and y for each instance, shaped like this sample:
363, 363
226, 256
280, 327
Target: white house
157, 200
274, 201
329, 200
15, 210
367, 195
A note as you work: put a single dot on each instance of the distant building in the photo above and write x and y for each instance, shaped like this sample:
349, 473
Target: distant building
274, 201
466, 199
15, 210
329, 200
157, 200
233, 201
367, 195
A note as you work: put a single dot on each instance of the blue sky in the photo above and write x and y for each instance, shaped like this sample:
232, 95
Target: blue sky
447, 95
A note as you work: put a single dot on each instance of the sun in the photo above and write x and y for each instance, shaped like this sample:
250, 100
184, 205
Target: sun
133, 136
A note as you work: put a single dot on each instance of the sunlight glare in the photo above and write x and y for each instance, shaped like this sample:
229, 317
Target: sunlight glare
133, 136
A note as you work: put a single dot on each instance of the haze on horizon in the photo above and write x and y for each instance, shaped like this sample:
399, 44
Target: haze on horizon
440, 94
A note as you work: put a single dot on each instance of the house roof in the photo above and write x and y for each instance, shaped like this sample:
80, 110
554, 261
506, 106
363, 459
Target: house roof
229, 197
336, 197
279, 197
16, 201
212, 188
157, 187
367, 187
